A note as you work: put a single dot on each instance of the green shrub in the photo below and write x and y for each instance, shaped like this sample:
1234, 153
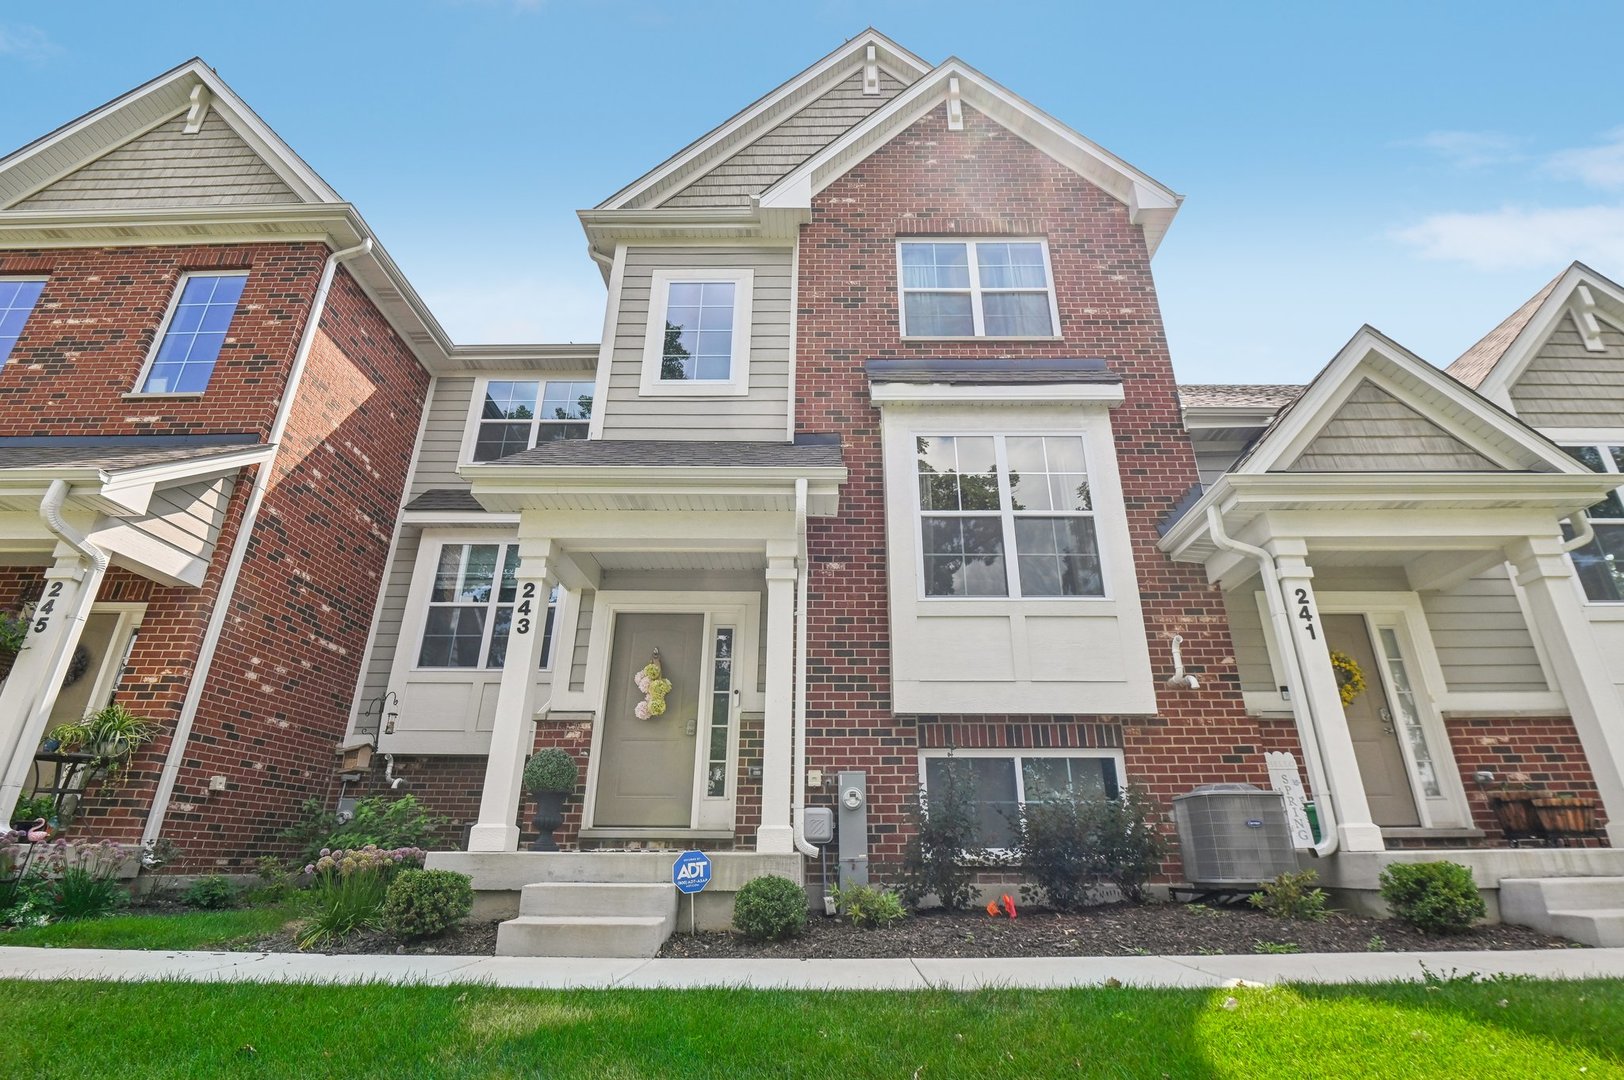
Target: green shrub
1291, 896
422, 903
869, 906
551, 769
1070, 847
347, 891
1435, 897
33, 808
945, 848
79, 879
275, 882
213, 893
380, 820
769, 908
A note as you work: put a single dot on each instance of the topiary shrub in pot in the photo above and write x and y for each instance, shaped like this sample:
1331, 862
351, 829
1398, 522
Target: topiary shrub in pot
550, 775
1433, 897
769, 908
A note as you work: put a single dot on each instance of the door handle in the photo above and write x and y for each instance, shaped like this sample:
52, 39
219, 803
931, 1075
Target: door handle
692, 727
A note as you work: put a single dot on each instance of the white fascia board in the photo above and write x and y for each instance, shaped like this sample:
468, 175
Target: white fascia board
908, 393
459, 519
893, 57
1536, 489
633, 478
175, 472
1225, 417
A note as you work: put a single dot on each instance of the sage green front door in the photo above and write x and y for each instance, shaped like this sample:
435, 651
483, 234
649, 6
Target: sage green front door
1371, 726
646, 767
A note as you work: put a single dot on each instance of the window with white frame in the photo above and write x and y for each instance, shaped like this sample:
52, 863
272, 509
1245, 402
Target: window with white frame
17, 299
976, 288
1600, 563
698, 339
520, 413
1006, 515
1005, 780
193, 332
471, 608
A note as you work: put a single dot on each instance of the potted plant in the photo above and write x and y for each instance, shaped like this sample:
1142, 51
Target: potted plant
1513, 807
1566, 815
550, 776
13, 630
109, 736
31, 809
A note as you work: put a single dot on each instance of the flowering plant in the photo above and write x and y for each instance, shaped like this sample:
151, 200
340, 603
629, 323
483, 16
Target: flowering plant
362, 859
349, 887
1350, 679
652, 681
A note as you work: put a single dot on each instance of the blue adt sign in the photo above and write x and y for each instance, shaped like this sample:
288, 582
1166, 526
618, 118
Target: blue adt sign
691, 872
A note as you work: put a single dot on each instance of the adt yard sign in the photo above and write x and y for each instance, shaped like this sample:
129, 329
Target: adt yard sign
691, 872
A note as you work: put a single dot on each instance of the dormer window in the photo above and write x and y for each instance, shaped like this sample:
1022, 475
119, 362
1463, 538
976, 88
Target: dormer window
519, 413
976, 288
698, 336
193, 332
17, 299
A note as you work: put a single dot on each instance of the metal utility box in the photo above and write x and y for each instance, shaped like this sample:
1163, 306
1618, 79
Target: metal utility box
818, 824
1233, 836
852, 798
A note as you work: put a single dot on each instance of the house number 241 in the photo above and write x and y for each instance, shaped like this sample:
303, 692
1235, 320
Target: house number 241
527, 594
1306, 613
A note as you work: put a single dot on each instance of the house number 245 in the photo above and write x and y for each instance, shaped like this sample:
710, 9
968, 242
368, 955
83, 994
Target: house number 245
527, 596
43, 612
1306, 613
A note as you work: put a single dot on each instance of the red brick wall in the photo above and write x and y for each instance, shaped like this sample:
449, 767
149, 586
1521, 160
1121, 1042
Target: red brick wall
985, 181
1542, 751
89, 336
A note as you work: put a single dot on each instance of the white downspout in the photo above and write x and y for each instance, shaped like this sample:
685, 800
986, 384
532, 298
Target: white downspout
1301, 704
1584, 532
239, 550
798, 715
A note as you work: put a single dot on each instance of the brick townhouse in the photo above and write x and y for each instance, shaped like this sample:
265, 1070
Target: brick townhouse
881, 458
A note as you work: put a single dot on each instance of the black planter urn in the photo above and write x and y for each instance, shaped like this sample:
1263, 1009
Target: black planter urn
549, 816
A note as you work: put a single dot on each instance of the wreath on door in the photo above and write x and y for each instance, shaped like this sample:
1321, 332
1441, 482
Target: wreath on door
1350, 679
655, 686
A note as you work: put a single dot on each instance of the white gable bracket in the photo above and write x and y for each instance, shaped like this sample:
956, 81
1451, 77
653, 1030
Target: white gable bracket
955, 107
198, 110
871, 74
1584, 315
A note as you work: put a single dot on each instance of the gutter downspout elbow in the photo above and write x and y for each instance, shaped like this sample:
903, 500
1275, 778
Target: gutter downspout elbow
1302, 708
1584, 532
798, 713
50, 512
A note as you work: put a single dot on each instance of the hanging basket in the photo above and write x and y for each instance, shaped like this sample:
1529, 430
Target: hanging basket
1514, 810
1566, 815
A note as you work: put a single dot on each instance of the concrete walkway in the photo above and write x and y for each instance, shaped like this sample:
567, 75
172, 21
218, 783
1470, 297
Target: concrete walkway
565, 973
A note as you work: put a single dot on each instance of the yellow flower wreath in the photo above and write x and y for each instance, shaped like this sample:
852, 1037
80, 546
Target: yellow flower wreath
1350, 680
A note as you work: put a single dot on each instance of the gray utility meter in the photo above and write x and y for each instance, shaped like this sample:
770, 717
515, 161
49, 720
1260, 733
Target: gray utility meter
852, 805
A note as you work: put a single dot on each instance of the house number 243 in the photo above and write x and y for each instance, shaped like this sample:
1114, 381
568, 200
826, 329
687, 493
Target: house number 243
527, 595
1306, 613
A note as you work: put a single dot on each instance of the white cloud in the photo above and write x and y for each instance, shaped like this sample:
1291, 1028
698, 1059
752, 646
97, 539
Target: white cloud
1516, 237
1599, 166
1469, 149
28, 43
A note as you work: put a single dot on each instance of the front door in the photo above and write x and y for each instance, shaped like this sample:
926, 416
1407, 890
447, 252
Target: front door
1370, 723
646, 769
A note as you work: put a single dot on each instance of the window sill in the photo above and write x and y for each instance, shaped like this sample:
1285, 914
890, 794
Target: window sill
187, 395
693, 390
1605, 610
973, 338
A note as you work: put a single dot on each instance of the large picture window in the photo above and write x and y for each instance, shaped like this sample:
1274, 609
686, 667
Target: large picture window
1006, 515
470, 608
520, 413
17, 299
193, 333
1600, 563
976, 288
1005, 780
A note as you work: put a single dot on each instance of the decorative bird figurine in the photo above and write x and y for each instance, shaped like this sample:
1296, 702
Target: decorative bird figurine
40, 832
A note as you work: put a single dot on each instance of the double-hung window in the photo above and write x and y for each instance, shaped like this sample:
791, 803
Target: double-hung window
976, 288
698, 338
1005, 780
17, 299
1006, 515
471, 608
520, 413
193, 332
1600, 563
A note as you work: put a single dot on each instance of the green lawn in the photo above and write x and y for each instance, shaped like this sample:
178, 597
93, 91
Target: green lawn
1494, 1029
189, 930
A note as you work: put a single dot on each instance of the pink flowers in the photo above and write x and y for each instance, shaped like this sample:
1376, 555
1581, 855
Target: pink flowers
362, 859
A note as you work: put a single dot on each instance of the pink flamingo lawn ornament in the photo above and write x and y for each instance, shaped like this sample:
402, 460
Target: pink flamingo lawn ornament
40, 832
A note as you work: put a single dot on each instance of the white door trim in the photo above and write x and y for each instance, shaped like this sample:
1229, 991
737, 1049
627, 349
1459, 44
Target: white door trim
741, 610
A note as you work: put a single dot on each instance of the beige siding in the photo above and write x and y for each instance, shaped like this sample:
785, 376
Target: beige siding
1213, 460
1481, 637
1375, 432
442, 436
583, 638
1246, 632
188, 517
166, 167
1568, 386
763, 413
386, 637
759, 165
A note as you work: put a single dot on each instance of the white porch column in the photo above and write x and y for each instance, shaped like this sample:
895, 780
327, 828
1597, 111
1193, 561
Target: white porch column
511, 733
775, 834
1581, 673
1355, 830
30, 692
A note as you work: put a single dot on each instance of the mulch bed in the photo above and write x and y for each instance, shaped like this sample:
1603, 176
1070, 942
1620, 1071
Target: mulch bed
468, 939
1116, 930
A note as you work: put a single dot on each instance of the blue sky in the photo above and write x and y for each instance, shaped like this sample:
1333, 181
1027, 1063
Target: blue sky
1421, 167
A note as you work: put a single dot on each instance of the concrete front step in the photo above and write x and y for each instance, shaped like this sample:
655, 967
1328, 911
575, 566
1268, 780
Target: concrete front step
1587, 910
583, 935
598, 898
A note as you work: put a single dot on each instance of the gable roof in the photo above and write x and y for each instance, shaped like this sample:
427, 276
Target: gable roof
1473, 365
1237, 396
1150, 203
744, 127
